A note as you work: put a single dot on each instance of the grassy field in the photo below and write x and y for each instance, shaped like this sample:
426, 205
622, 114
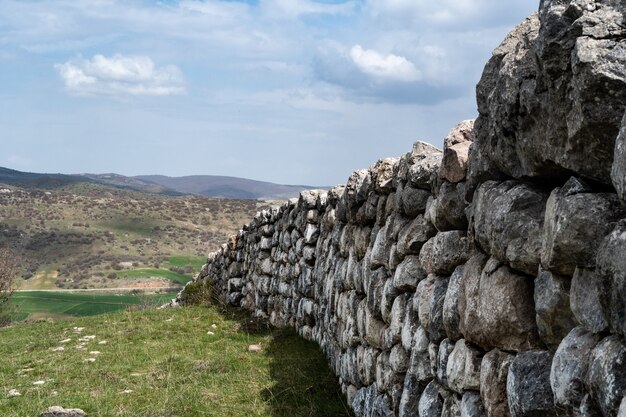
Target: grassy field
43, 304
176, 362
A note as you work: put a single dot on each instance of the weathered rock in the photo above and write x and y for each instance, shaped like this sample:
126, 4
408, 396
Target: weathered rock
420, 366
422, 299
576, 221
607, 374
471, 405
411, 392
611, 274
455, 152
588, 293
463, 367
496, 307
552, 303
618, 171
444, 252
508, 222
414, 235
494, 370
528, 385
411, 201
569, 367
57, 411
382, 175
436, 331
447, 211
451, 316
408, 273
622, 409
424, 170
443, 355
451, 406
551, 98
431, 402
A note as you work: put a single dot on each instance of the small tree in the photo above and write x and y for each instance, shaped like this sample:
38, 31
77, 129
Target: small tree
8, 270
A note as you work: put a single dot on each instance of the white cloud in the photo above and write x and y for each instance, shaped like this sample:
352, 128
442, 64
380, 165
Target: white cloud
295, 8
120, 75
391, 67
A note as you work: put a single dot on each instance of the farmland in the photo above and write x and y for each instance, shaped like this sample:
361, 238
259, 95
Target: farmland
38, 305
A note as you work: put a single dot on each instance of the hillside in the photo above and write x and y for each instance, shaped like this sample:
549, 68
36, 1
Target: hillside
87, 235
226, 187
206, 185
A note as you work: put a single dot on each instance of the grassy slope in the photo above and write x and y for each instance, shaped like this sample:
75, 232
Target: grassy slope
163, 363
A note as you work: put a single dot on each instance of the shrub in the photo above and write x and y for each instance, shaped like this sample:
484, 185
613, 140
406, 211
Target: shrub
201, 292
8, 269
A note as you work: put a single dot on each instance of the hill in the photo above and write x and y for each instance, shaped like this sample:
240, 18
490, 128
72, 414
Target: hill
226, 187
206, 185
86, 235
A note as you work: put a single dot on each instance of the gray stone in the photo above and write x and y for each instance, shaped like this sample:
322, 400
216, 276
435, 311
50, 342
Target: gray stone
57, 411
607, 374
414, 235
445, 349
528, 385
588, 293
436, 331
575, 224
552, 303
455, 152
420, 366
424, 170
551, 98
569, 367
451, 316
496, 307
618, 170
471, 405
431, 402
411, 201
398, 359
508, 222
588, 408
451, 406
447, 211
382, 175
622, 409
408, 273
611, 271
463, 367
411, 392
444, 252
423, 298
494, 370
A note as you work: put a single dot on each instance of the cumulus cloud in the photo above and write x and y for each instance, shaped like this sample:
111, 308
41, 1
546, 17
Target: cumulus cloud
120, 75
373, 76
295, 8
392, 67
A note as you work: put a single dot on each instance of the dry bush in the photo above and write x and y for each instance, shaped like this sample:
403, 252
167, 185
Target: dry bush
8, 271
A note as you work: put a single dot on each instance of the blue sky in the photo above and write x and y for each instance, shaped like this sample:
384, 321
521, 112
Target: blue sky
289, 91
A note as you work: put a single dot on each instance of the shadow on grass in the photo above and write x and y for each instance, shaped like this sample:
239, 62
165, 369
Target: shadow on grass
303, 385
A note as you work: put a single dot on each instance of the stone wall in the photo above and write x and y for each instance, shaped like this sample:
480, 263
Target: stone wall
485, 280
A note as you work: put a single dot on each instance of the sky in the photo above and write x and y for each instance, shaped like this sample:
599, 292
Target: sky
287, 91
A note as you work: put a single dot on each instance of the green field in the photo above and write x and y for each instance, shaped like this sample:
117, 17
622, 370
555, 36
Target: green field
174, 362
43, 304
182, 261
155, 273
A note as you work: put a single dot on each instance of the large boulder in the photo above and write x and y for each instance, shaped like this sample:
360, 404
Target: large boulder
618, 171
528, 385
455, 152
576, 221
552, 303
508, 222
494, 370
611, 273
607, 374
551, 98
496, 306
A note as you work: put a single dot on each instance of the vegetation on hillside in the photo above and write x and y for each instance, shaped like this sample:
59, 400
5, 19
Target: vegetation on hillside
93, 236
173, 362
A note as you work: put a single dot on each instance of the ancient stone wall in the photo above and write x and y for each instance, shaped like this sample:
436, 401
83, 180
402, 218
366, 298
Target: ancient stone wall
485, 280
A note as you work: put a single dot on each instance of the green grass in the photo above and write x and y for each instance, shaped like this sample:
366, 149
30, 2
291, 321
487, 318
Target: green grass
154, 272
53, 304
182, 261
164, 363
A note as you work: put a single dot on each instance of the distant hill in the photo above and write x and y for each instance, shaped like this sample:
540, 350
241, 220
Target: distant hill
205, 185
33, 180
226, 187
